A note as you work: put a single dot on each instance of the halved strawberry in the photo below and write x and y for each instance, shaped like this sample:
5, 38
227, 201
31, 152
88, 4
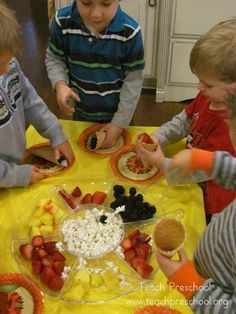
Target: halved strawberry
88, 198
99, 197
37, 241
36, 255
58, 266
68, 198
26, 250
126, 244
76, 192
50, 247
129, 254
47, 260
145, 138
143, 249
144, 269
46, 274
41, 252
56, 283
136, 261
37, 266
57, 256
134, 234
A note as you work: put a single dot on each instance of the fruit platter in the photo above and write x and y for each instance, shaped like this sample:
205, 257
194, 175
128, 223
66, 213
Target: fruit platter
91, 250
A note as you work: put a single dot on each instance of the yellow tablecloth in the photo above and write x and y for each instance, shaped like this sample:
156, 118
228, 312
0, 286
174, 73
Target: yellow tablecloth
188, 198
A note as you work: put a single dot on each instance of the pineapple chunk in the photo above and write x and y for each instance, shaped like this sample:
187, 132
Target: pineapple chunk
96, 280
83, 277
35, 231
58, 214
46, 229
110, 279
34, 222
38, 212
47, 219
76, 292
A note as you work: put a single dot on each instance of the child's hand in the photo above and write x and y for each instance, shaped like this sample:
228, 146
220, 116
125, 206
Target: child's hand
169, 266
35, 174
155, 158
64, 150
112, 134
64, 95
181, 161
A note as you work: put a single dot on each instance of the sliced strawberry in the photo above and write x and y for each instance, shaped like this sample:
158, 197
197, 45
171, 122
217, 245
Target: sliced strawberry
68, 199
99, 197
144, 269
50, 247
26, 250
41, 252
46, 274
126, 244
88, 198
36, 256
134, 234
37, 241
76, 192
145, 138
57, 256
129, 254
47, 261
56, 283
143, 249
143, 238
136, 261
37, 266
58, 266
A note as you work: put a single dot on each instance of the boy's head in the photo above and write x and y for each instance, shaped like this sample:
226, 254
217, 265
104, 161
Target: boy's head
97, 14
214, 54
9, 36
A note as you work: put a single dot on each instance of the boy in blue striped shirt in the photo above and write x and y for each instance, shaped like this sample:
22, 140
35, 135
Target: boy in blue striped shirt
95, 56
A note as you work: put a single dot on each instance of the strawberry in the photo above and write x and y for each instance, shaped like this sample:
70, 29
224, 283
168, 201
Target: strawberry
145, 138
144, 269
136, 261
126, 244
129, 254
76, 192
134, 234
26, 250
47, 261
50, 247
36, 255
57, 256
143, 249
68, 199
88, 198
37, 241
58, 266
56, 283
37, 266
41, 252
46, 274
99, 197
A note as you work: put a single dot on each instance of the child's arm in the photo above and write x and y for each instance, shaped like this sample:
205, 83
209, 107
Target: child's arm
173, 130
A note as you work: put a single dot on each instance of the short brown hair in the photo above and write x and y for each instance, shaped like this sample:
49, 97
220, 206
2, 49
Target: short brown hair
10, 33
214, 53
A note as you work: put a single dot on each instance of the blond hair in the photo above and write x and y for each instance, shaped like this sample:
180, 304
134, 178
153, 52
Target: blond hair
214, 54
10, 34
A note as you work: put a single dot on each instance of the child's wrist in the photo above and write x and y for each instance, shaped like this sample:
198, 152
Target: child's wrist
201, 160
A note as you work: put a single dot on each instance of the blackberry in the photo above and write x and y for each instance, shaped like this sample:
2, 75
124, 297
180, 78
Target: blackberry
93, 142
119, 189
132, 191
103, 219
139, 197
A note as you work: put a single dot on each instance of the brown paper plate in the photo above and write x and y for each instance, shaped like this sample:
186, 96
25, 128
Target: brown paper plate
86, 135
18, 294
47, 167
127, 165
154, 309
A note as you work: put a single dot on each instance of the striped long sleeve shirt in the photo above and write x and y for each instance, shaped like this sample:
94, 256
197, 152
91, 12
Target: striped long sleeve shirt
106, 71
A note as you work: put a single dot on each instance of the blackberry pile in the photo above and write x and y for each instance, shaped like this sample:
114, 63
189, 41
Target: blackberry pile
135, 206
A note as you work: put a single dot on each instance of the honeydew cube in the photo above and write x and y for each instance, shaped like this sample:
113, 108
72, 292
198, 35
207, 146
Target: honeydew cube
34, 222
47, 219
83, 277
35, 231
46, 229
38, 212
110, 279
96, 280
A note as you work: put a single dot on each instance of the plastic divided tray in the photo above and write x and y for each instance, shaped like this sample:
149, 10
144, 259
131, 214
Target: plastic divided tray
85, 280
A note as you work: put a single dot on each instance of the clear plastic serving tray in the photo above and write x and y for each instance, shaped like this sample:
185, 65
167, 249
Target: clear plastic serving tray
87, 280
